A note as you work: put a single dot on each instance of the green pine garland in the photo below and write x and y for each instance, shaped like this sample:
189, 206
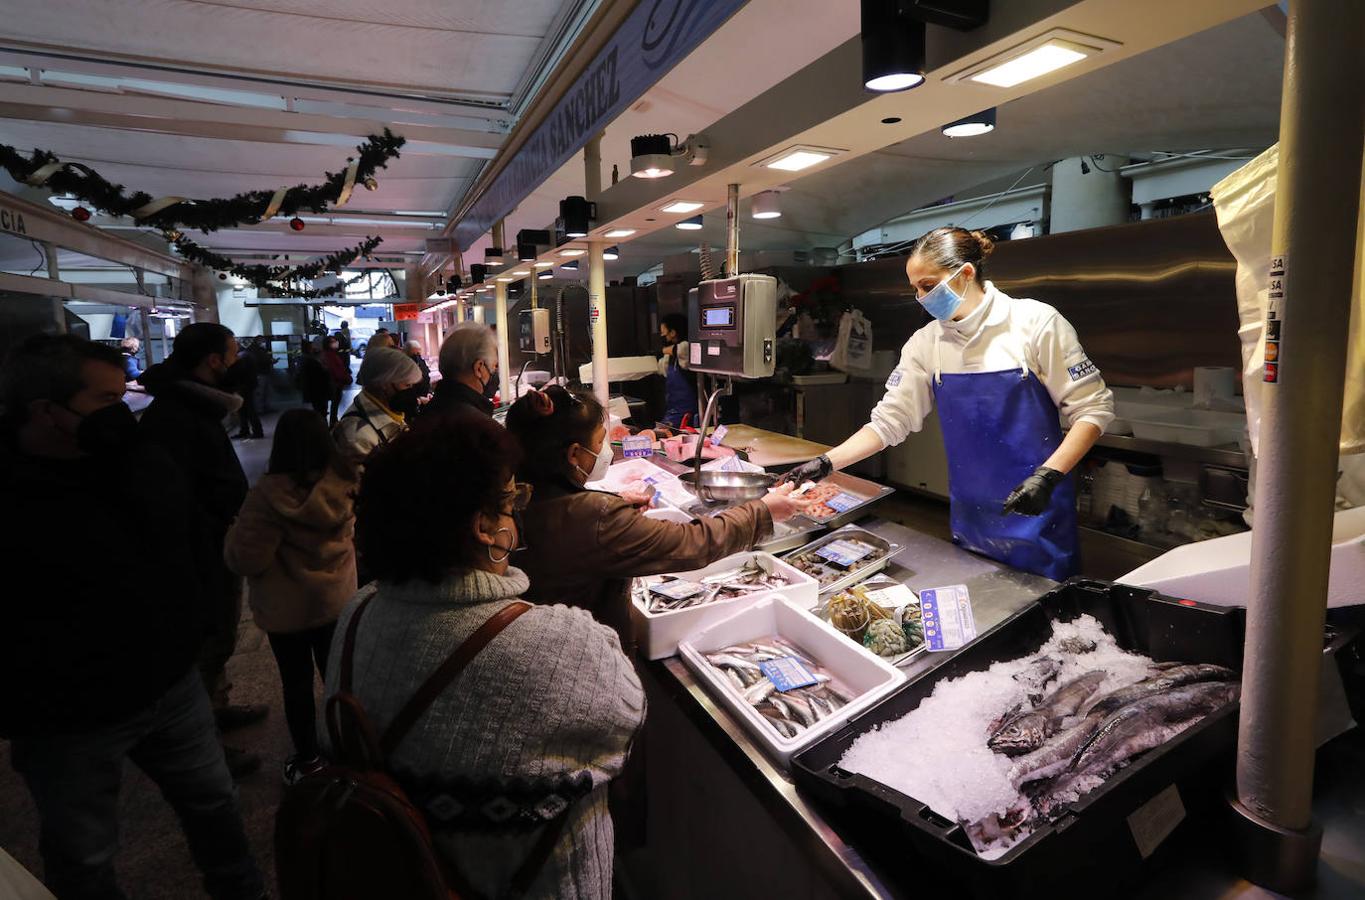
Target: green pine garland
247, 208
277, 278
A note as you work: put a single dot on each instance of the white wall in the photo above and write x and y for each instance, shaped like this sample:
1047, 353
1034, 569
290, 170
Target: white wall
232, 312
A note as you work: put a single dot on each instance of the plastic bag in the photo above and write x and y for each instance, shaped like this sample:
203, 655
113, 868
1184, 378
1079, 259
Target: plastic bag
1245, 204
853, 346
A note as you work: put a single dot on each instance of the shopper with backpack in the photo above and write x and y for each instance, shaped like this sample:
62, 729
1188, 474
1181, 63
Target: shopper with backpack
527, 715
293, 543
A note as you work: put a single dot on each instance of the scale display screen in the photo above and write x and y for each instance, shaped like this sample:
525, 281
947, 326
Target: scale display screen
718, 317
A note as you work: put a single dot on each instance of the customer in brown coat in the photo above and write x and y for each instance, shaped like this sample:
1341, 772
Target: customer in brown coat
586, 545
293, 542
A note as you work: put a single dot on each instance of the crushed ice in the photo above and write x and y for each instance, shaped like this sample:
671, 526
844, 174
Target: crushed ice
937, 753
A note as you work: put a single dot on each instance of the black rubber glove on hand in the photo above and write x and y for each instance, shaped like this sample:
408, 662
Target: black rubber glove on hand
1032, 495
814, 470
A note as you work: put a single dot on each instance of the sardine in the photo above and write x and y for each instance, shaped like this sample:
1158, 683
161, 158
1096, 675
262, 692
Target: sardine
1027, 731
1168, 679
761, 689
732, 661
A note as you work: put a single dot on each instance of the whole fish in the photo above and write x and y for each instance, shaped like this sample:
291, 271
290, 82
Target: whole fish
1167, 679
1149, 722
1054, 756
1039, 674
1027, 731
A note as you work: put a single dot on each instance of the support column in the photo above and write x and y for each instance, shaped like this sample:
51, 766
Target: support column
146, 321
732, 231
1322, 126
58, 307
597, 277
504, 335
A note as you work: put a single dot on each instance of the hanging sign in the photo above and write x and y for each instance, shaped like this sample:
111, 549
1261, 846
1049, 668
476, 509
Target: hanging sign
653, 38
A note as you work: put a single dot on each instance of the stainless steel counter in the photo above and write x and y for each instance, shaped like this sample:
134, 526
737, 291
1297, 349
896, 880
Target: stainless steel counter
997, 592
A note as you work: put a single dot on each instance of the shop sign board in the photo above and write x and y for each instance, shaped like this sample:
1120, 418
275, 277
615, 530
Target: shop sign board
653, 38
405, 312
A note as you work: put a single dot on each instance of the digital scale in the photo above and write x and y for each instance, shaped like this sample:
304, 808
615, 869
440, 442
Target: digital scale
533, 331
732, 326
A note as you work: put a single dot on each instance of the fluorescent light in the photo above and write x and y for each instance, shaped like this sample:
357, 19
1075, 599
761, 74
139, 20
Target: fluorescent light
546, 275
505, 279
521, 272
545, 265
794, 159
572, 251
620, 232
1039, 61
681, 206
692, 224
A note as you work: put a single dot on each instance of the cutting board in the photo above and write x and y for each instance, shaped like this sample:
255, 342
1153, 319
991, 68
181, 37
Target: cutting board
768, 448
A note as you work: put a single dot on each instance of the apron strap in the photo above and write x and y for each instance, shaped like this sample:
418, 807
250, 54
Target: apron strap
938, 360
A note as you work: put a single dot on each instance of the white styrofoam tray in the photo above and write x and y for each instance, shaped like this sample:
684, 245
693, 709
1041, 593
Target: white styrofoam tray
658, 633
868, 677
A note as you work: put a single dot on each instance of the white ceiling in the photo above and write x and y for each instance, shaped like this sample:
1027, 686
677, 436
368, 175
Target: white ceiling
446, 73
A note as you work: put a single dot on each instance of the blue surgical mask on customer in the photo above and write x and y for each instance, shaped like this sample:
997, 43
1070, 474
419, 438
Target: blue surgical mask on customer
942, 301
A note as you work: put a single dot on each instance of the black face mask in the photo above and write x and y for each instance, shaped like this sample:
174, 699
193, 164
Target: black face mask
404, 401
107, 431
490, 387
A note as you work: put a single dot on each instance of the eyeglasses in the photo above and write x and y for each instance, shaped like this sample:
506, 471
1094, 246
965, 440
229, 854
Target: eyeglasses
521, 496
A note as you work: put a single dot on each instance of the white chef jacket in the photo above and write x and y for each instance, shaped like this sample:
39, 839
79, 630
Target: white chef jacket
1002, 333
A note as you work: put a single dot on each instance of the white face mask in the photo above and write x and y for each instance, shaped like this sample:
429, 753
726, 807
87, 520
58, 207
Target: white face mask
600, 464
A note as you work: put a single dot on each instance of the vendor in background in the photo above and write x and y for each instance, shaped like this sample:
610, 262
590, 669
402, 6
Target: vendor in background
680, 391
1000, 369
584, 546
130, 346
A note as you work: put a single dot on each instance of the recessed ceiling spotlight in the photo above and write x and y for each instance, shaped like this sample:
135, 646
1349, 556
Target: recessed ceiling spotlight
546, 275
611, 253
973, 125
795, 159
893, 48
766, 205
692, 224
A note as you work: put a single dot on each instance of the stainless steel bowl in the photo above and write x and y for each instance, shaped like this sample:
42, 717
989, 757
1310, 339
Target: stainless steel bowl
722, 486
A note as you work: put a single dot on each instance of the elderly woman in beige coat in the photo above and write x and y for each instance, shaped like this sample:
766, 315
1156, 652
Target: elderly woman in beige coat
293, 542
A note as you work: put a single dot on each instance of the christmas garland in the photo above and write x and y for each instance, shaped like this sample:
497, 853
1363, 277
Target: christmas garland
277, 278
44, 169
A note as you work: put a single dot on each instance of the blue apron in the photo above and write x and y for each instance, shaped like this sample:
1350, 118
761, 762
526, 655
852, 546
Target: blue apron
997, 428
680, 395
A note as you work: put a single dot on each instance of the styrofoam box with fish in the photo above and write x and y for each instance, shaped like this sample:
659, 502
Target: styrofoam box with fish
658, 633
864, 676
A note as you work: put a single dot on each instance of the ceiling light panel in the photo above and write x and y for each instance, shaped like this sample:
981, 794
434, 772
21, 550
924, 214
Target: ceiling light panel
1046, 53
681, 206
799, 158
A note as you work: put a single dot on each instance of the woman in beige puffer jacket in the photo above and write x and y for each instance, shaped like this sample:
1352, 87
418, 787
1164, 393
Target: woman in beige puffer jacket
293, 542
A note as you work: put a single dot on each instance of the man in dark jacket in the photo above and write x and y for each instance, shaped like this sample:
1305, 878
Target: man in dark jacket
469, 368
414, 350
243, 378
98, 663
185, 419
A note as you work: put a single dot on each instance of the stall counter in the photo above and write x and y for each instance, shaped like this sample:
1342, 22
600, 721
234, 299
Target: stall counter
718, 804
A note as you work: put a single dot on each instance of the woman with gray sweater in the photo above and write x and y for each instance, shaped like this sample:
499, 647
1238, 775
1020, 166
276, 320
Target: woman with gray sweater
526, 740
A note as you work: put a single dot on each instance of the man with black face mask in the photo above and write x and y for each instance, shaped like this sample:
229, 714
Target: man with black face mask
185, 420
98, 665
469, 372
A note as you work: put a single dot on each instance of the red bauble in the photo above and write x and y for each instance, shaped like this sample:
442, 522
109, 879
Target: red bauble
296, 223
80, 214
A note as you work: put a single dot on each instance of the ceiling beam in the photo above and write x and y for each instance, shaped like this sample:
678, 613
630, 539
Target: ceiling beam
25, 219
210, 120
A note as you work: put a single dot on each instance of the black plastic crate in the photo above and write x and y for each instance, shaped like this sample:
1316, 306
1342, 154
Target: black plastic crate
1090, 849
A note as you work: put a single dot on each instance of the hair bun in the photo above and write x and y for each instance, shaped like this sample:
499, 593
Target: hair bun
984, 242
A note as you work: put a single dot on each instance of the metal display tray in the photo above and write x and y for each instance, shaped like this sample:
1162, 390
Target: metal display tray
859, 487
858, 574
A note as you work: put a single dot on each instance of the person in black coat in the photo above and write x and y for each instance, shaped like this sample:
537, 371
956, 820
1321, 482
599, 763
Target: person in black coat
414, 350
97, 657
315, 382
185, 419
469, 371
242, 379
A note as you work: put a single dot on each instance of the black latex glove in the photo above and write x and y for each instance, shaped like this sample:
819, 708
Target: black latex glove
814, 470
1031, 497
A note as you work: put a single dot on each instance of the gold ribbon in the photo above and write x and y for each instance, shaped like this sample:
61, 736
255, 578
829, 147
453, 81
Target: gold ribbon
150, 209
40, 176
349, 184
274, 205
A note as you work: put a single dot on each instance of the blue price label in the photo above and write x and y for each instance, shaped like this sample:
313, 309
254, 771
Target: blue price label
843, 502
787, 673
948, 619
636, 446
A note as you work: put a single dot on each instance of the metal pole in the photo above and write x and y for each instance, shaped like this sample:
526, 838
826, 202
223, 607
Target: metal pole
58, 307
1322, 125
597, 277
146, 336
535, 294
732, 231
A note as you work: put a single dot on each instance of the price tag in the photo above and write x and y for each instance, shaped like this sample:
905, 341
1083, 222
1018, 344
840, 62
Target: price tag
678, 589
635, 446
694, 353
718, 434
948, 619
844, 553
787, 673
843, 502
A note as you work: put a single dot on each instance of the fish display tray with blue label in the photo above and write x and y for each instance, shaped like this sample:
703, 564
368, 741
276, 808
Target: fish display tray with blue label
1099, 839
